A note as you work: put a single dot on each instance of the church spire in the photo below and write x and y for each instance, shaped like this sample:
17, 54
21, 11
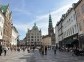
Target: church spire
50, 27
50, 21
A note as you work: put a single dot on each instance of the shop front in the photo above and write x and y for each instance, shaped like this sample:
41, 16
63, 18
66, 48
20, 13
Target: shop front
71, 42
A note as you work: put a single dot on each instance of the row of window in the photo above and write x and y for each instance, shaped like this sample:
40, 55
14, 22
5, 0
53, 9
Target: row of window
34, 33
34, 36
71, 31
34, 43
69, 21
34, 40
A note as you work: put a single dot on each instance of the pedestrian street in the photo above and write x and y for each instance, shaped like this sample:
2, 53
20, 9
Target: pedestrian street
37, 57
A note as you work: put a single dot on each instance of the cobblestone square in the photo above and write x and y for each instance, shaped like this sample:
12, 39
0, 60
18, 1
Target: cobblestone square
37, 57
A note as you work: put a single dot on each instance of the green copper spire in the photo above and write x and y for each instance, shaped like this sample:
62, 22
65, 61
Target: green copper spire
50, 21
50, 27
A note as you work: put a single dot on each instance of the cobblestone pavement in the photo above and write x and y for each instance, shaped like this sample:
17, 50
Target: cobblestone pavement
37, 57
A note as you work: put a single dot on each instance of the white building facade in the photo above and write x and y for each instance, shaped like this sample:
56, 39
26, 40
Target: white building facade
66, 30
1, 27
70, 26
70, 29
15, 35
58, 32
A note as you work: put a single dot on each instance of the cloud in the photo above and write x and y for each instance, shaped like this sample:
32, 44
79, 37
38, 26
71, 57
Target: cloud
23, 27
22, 11
56, 15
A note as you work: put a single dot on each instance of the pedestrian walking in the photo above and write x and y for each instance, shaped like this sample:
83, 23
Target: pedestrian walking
5, 50
28, 49
33, 48
0, 49
42, 50
18, 49
23, 49
45, 50
55, 49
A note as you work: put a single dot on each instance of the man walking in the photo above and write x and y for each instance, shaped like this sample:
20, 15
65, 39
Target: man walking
45, 50
0, 49
55, 49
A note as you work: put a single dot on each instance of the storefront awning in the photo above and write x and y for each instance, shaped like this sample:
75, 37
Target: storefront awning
71, 41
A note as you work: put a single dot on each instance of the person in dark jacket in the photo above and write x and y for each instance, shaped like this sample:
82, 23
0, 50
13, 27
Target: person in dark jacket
0, 49
55, 49
45, 50
5, 50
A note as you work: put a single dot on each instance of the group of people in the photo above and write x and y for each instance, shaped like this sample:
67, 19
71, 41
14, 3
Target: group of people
3, 50
23, 49
43, 50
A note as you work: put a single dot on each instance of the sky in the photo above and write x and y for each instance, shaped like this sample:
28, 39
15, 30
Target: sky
27, 12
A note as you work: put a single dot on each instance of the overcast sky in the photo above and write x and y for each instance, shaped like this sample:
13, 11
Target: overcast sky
27, 12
